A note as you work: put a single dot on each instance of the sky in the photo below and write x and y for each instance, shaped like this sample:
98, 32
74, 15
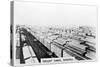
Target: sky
51, 14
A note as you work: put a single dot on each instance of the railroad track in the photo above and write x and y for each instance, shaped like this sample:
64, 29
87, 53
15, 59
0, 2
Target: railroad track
78, 54
40, 50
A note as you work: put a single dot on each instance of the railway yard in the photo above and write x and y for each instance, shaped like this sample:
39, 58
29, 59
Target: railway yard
33, 44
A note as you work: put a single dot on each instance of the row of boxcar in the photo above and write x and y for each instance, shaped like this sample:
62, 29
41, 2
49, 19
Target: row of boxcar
27, 53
